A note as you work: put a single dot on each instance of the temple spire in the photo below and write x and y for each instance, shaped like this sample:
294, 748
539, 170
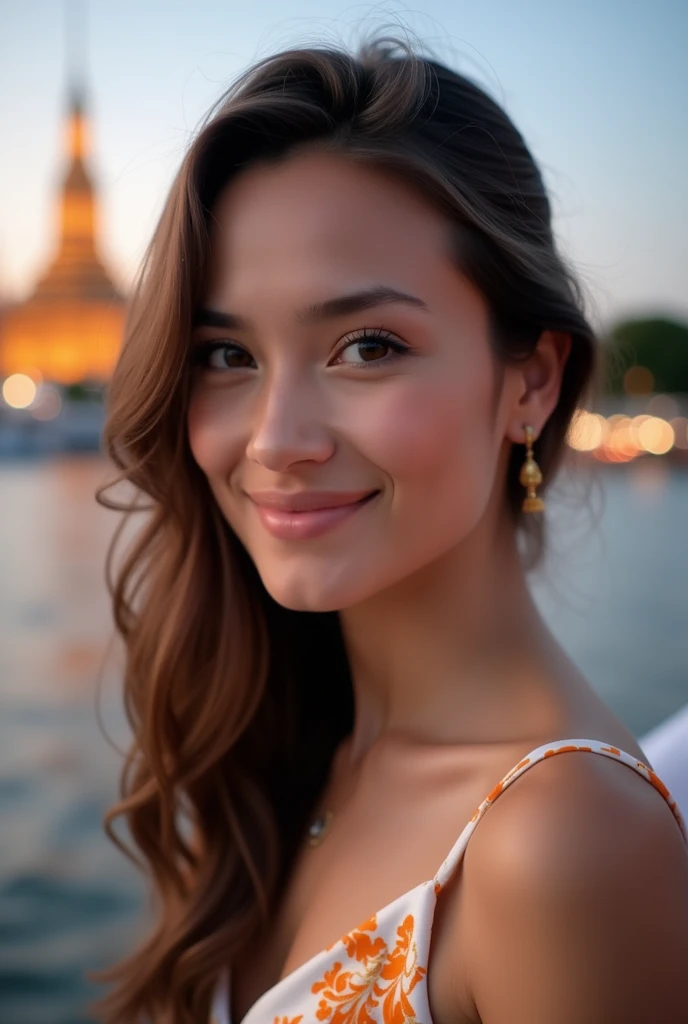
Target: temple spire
76, 268
77, 141
70, 328
76, 47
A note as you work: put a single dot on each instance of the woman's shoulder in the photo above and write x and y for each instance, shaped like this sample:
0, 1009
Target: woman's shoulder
547, 812
575, 893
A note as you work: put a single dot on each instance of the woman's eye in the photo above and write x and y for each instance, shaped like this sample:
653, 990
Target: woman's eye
369, 345
220, 355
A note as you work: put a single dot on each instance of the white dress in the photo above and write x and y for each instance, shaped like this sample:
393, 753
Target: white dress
377, 972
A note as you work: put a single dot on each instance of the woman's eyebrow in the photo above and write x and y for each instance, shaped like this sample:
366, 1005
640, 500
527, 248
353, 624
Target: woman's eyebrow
340, 305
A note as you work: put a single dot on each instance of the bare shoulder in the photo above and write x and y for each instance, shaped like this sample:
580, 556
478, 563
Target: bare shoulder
572, 796
576, 899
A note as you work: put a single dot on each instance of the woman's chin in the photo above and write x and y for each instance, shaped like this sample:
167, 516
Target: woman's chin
312, 595
298, 600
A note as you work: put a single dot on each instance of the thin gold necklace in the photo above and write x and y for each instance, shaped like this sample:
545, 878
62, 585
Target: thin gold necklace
319, 828
320, 825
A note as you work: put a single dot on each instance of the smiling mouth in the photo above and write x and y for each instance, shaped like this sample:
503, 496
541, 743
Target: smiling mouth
306, 525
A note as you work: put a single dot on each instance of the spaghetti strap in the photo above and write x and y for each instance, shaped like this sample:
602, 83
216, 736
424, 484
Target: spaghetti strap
537, 754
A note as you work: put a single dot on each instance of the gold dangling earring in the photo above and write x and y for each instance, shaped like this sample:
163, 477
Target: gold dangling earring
530, 477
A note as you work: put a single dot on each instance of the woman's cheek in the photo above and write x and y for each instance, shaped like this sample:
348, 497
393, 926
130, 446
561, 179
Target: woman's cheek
418, 430
433, 442
210, 432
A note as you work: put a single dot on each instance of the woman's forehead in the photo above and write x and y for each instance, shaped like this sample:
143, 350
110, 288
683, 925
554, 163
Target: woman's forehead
325, 199
320, 227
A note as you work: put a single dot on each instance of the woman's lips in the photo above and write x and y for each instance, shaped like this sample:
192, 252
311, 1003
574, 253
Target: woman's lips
304, 525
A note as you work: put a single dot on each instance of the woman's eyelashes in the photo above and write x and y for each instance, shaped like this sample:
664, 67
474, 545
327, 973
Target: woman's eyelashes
374, 338
369, 341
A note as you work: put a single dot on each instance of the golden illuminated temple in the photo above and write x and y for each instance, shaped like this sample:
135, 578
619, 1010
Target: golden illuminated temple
69, 330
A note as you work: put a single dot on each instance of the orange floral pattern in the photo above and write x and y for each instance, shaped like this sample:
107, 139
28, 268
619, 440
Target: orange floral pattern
376, 973
386, 979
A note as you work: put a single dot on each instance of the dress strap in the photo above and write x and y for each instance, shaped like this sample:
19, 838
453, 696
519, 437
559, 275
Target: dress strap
537, 754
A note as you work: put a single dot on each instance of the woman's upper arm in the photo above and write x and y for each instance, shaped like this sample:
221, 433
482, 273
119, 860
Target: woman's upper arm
577, 898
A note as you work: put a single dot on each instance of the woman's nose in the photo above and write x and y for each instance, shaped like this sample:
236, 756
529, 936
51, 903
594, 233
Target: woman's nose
289, 427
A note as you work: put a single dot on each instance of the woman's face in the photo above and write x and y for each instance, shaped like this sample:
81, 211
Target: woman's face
294, 397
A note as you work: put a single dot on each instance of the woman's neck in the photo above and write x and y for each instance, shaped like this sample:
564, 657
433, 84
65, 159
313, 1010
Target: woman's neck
457, 653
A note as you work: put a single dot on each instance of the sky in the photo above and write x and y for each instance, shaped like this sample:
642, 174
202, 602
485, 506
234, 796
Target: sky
598, 88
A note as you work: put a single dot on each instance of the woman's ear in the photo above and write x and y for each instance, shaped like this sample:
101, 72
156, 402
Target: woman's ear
539, 384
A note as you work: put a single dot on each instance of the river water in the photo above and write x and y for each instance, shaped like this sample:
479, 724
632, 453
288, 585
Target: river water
613, 590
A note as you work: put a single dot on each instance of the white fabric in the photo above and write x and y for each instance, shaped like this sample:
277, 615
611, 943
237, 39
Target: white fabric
377, 972
666, 747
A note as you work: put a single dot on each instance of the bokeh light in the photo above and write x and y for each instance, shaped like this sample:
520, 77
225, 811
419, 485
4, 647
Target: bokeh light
638, 380
620, 438
656, 435
48, 403
19, 390
587, 431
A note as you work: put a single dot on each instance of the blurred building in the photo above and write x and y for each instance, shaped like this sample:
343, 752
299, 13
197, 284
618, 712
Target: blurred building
69, 330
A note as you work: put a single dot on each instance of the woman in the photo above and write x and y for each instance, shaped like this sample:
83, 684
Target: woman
349, 368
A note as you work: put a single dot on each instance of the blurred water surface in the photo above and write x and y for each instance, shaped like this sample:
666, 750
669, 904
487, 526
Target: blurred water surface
613, 590
69, 901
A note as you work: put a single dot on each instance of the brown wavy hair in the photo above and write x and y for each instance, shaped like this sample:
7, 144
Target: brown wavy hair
236, 703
